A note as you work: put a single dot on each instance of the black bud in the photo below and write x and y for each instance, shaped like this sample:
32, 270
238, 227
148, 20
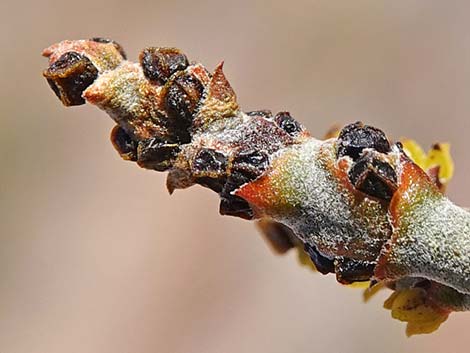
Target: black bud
69, 76
209, 161
355, 137
231, 205
156, 155
287, 123
322, 263
248, 165
159, 64
349, 270
182, 97
373, 177
124, 144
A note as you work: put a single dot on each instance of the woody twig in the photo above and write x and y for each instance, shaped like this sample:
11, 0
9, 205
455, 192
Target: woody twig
359, 205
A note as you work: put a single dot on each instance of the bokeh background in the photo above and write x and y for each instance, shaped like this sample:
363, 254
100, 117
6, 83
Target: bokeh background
96, 257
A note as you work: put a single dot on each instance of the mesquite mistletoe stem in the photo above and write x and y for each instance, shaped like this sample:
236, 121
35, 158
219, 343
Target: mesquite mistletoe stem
358, 204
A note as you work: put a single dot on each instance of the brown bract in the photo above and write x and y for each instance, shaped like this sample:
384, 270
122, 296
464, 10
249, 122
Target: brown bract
220, 101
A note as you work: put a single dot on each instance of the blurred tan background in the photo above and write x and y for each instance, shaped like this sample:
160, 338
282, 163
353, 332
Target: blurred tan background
96, 257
